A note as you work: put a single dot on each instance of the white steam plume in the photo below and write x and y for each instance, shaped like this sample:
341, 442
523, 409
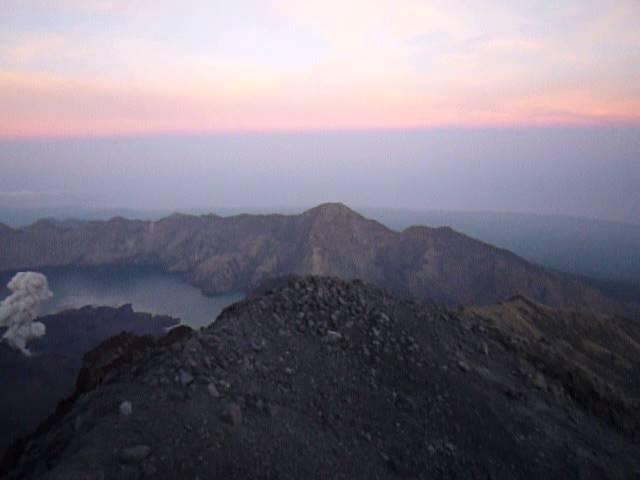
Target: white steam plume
18, 310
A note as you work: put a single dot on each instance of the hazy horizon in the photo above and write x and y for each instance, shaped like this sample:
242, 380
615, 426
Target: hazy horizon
508, 107
588, 172
82, 213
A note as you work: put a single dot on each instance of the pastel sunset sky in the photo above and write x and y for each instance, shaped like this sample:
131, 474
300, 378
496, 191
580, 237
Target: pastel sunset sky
111, 67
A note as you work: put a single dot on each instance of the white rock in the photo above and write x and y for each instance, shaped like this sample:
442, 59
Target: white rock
126, 408
333, 336
213, 391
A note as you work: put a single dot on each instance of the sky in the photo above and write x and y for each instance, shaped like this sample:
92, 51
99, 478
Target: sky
527, 106
589, 171
103, 67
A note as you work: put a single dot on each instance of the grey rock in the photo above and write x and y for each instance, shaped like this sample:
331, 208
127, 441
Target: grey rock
333, 336
126, 408
78, 422
134, 455
539, 381
231, 414
185, 377
213, 391
463, 365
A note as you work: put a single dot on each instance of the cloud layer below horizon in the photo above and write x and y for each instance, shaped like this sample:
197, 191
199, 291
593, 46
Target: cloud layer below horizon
104, 67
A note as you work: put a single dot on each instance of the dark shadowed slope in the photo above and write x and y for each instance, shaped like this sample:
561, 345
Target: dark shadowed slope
32, 386
320, 378
223, 254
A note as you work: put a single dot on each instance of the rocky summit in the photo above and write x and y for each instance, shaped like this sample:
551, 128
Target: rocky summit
230, 254
315, 377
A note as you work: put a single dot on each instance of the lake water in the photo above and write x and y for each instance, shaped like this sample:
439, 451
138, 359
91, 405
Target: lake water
147, 289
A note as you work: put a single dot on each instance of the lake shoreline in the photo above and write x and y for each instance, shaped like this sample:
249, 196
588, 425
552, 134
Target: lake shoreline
147, 288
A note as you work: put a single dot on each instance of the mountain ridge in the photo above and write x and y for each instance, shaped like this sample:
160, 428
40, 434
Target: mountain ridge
223, 254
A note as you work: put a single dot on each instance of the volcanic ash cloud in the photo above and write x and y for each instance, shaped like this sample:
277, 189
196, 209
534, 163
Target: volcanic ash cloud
18, 310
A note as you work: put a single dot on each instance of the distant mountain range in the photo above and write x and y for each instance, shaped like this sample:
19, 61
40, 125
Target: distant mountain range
224, 254
603, 250
599, 249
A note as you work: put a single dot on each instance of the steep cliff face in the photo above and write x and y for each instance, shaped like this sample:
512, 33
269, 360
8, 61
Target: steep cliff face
220, 255
322, 378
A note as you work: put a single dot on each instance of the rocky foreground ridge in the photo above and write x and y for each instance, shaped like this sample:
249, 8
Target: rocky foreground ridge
322, 378
226, 254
